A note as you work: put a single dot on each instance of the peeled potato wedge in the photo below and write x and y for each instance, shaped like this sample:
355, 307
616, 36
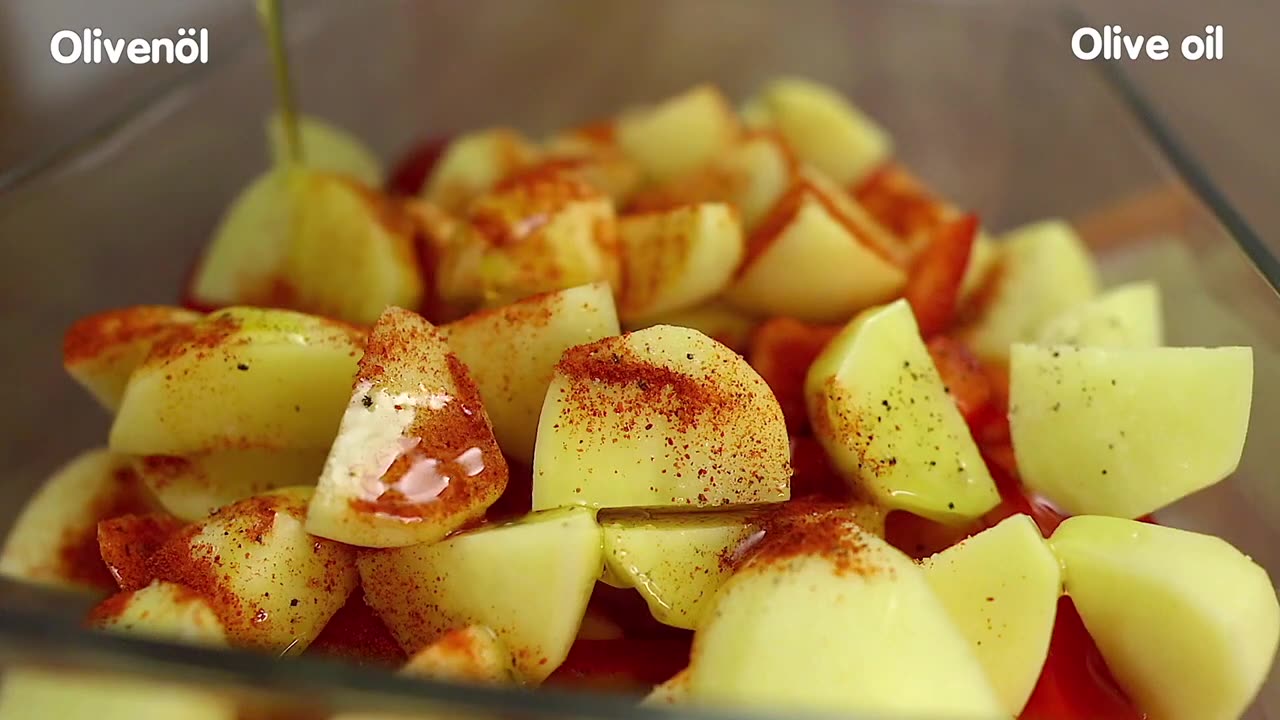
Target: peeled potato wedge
1001, 588
537, 234
1124, 317
192, 486
415, 457
676, 259
663, 416
678, 559
751, 175
240, 378
162, 610
1127, 432
241, 263
678, 134
1187, 624
827, 617
472, 654
325, 147
528, 581
101, 351
674, 691
473, 163
273, 585
1042, 270
880, 409
54, 540
817, 257
826, 130
351, 251
534, 333
594, 161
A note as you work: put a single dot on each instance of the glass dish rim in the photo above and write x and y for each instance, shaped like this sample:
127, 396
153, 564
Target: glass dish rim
28, 628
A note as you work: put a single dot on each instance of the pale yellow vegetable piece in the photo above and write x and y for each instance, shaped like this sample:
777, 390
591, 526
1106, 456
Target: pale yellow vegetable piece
830, 618
752, 175
1126, 432
415, 457
28, 693
511, 352
529, 581
663, 416
678, 134
1127, 316
473, 163
825, 129
675, 691
818, 257
161, 610
190, 487
543, 233
242, 260
595, 162
881, 411
93, 486
351, 251
675, 259
472, 654
273, 585
1188, 625
1001, 588
101, 351
676, 560
1042, 270
325, 147
240, 378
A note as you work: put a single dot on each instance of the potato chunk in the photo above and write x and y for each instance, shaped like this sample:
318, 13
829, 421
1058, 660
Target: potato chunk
1001, 588
880, 409
663, 416
534, 333
163, 610
240, 378
529, 581
675, 259
101, 351
1126, 432
415, 457
1188, 625
827, 617
273, 585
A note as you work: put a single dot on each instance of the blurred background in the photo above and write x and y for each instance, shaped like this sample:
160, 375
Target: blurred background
1226, 111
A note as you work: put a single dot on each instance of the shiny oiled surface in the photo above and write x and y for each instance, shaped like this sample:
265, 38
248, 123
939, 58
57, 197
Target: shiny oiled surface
986, 104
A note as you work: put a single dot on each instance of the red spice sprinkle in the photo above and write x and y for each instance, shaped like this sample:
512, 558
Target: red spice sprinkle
90, 337
682, 399
127, 541
797, 529
517, 210
79, 559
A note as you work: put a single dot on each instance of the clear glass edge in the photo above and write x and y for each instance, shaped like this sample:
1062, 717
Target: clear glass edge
1183, 162
29, 630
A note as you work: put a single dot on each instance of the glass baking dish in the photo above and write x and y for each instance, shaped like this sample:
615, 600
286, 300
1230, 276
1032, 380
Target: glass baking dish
984, 98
